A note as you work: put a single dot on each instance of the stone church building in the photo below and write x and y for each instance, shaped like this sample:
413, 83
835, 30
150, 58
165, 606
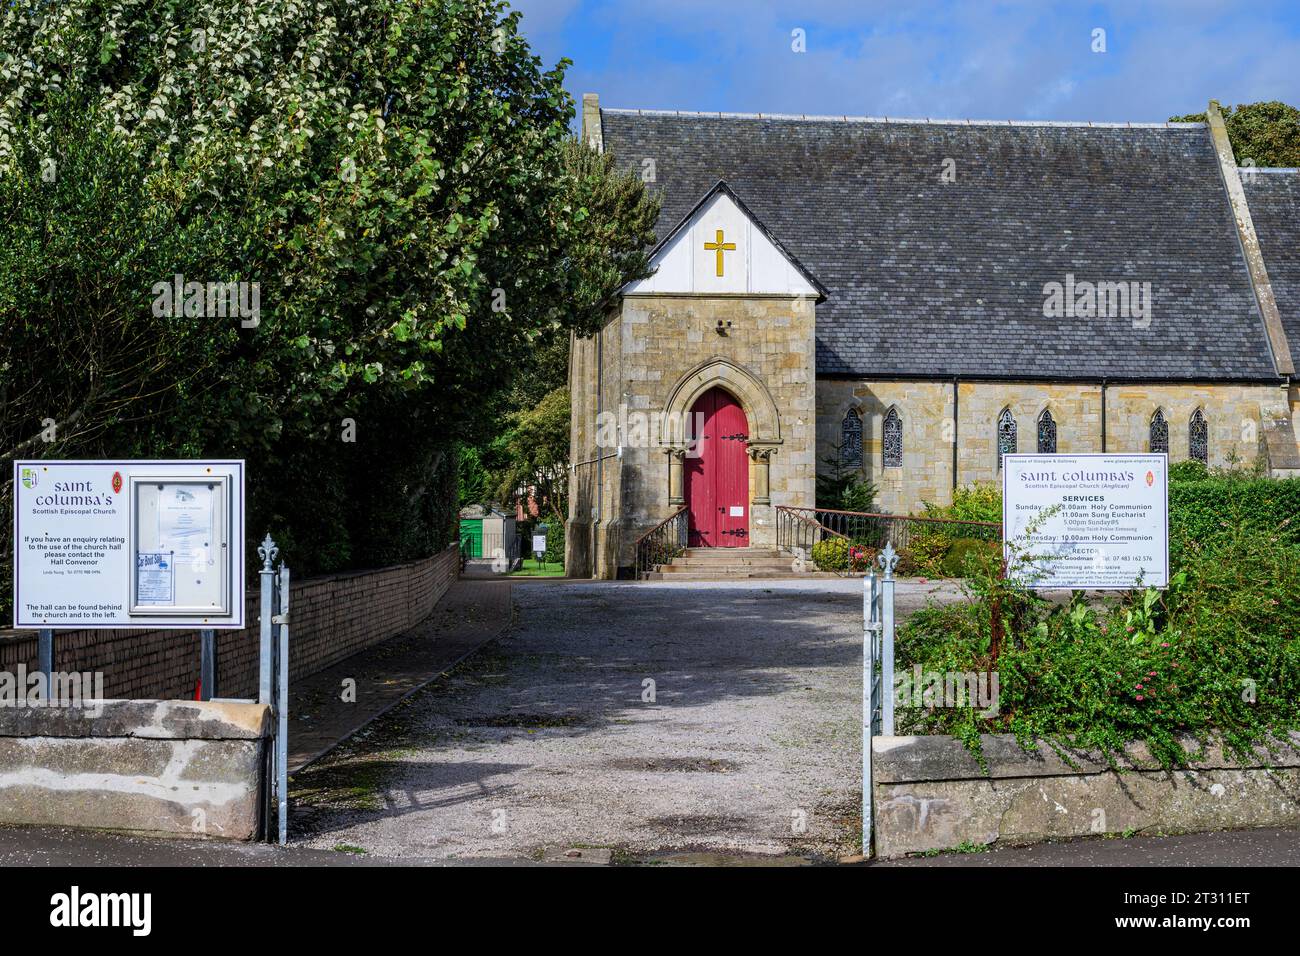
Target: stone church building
915, 298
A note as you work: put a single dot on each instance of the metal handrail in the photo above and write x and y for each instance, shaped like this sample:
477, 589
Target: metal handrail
881, 514
798, 529
662, 543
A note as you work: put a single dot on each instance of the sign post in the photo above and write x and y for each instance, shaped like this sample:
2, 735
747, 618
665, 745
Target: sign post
45, 653
207, 664
1087, 521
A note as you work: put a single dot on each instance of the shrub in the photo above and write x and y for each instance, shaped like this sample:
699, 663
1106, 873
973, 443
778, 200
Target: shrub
954, 562
831, 554
1217, 653
1189, 470
555, 541
929, 543
1204, 510
862, 556
907, 566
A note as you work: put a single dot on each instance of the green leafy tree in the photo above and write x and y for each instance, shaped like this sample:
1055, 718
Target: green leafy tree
397, 176
1261, 134
535, 456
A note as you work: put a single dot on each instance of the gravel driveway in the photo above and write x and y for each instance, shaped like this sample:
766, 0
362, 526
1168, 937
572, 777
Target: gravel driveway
643, 717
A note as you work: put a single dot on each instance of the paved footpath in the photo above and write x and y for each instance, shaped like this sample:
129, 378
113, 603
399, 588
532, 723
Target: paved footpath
56, 847
639, 716
471, 613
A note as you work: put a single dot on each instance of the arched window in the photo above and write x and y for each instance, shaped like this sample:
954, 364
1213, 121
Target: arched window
1007, 442
891, 434
1159, 433
851, 440
1198, 438
1046, 433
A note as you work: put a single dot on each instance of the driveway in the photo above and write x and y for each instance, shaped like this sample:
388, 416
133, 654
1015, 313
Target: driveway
643, 717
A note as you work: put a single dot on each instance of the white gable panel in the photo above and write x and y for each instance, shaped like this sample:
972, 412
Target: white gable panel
755, 265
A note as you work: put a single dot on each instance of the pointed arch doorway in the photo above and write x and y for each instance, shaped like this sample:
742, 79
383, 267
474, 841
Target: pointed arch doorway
717, 477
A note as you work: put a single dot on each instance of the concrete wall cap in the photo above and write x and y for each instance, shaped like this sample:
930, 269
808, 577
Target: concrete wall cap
935, 758
153, 719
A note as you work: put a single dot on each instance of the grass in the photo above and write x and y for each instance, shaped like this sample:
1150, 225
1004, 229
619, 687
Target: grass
548, 569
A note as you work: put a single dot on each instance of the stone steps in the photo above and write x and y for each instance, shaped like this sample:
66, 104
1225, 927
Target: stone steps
720, 564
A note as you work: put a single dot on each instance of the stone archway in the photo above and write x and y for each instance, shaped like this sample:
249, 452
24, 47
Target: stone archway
760, 410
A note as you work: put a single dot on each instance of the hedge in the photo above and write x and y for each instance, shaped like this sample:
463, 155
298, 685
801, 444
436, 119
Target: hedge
1203, 506
1202, 512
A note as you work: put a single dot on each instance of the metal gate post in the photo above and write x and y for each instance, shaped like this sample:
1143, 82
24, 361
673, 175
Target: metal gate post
888, 561
868, 715
266, 669
207, 664
281, 621
267, 552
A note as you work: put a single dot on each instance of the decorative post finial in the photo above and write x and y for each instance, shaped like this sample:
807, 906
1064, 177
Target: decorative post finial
268, 552
889, 559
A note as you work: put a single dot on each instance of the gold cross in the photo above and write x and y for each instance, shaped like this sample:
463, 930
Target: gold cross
719, 247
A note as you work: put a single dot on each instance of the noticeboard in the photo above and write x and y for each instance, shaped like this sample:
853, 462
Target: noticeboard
1091, 521
155, 544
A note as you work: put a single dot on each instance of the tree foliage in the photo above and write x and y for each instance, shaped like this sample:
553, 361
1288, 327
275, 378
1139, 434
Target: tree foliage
1262, 134
398, 178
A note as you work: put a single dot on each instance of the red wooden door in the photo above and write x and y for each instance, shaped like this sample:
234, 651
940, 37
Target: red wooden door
717, 481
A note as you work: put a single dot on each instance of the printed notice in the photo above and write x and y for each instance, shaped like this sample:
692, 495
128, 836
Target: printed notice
155, 579
185, 524
1086, 521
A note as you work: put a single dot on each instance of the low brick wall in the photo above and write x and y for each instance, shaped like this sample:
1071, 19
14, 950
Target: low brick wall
174, 768
931, 794
333, 617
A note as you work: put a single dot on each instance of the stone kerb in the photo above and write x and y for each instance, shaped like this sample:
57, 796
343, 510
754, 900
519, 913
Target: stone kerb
930, 793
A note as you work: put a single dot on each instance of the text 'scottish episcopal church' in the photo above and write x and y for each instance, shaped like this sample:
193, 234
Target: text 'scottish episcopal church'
917, 298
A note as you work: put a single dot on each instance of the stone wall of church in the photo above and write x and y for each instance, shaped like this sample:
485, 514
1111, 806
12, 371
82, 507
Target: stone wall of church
646, 352
595, 476
1234, 415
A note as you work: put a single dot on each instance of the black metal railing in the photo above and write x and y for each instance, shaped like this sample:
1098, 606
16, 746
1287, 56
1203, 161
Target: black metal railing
801, 528
797, 531
662, 543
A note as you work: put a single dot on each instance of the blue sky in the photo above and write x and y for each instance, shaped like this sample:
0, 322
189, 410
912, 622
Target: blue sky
1021, 59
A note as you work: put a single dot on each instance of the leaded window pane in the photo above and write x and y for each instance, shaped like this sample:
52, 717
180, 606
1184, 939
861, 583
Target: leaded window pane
1046, 433
892, 440
1159, 433
851, 440
1198, 438
1007, 441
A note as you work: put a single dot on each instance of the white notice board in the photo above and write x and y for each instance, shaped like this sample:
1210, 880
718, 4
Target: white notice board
155, 544
1110, 529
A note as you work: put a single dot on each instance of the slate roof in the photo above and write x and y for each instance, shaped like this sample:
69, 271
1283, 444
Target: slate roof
1274, 200
929, 279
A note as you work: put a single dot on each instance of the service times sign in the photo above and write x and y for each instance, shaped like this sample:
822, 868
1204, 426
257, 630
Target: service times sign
154, 544
1087, 521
